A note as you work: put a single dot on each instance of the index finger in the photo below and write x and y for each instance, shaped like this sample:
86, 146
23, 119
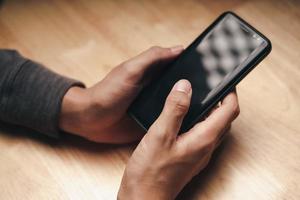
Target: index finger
209, 130
149, 62
224, 114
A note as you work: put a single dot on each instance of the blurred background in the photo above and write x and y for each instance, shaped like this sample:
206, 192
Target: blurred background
100, 34
84, 39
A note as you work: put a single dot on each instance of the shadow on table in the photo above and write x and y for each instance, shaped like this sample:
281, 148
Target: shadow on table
17, 132
65, 142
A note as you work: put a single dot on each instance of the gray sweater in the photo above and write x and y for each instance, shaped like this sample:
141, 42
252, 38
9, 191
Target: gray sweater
30, 94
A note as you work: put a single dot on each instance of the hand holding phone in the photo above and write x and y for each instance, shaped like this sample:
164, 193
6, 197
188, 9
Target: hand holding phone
214, 64
163, 163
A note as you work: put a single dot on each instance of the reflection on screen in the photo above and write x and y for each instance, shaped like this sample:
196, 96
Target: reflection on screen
222, 51
209, 64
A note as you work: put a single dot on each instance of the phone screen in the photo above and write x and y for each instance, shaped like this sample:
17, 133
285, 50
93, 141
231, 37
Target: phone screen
209, 63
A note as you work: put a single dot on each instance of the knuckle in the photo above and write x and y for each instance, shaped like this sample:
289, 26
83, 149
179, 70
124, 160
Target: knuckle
207, 141
187, 154
158, 51
159, 132
190, 150
197, 152
208, 132
128, 70
209, 138
126, 66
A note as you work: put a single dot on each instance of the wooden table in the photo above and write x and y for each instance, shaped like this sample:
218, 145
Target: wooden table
85, 39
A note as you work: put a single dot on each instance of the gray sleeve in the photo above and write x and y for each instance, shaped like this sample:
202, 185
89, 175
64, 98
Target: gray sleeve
30, 94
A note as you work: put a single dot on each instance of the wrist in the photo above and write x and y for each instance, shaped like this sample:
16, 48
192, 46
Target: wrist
74, 105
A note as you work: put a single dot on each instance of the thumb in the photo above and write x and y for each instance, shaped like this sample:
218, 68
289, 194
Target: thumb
176, 106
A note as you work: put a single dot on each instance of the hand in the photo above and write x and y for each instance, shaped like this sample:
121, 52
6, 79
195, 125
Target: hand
164, 162
99, 113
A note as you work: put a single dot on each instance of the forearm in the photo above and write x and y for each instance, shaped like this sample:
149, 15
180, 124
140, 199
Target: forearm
30, 94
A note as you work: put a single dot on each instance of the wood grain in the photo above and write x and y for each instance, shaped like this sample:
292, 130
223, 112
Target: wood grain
85, 39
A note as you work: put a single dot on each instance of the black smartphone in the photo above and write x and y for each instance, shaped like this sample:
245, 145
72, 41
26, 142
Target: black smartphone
214, 64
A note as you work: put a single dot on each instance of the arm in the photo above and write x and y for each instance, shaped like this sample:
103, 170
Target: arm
37, 98
163, 162
30, 94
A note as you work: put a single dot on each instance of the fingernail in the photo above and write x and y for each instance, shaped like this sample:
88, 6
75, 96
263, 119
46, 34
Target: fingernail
183, 86
177, 49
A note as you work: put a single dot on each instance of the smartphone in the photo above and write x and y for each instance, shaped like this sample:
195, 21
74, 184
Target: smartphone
214, 64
